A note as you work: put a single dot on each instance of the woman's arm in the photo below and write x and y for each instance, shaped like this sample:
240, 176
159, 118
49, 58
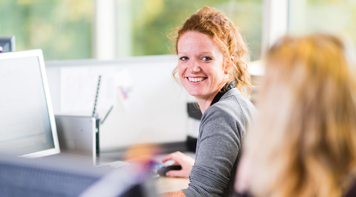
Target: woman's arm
217, 150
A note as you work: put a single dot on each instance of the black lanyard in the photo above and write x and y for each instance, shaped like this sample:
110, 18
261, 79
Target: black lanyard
227, 87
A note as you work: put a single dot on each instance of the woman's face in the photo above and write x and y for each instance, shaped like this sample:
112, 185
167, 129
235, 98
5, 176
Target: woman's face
200, 65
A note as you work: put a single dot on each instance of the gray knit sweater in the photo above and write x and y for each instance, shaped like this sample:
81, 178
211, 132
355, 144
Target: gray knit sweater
221, 129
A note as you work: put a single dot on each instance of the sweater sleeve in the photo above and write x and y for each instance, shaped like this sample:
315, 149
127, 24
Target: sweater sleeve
217, 151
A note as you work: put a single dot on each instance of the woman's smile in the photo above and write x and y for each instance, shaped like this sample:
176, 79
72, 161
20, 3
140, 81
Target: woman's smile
196, 79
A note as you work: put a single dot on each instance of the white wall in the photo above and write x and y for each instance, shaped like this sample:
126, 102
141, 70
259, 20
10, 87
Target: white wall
162, 116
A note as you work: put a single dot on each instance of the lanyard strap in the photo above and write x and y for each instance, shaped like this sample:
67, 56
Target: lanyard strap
227, 87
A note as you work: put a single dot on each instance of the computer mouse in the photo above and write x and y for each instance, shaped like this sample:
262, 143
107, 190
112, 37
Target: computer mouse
162, 171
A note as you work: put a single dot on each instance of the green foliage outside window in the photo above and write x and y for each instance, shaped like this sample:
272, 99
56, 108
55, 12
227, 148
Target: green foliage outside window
61, 28
328, 16
153, 20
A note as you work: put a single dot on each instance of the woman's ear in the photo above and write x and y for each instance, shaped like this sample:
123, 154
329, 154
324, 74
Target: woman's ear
228, 65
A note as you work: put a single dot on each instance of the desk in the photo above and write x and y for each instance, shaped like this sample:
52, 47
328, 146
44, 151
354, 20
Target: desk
168, 184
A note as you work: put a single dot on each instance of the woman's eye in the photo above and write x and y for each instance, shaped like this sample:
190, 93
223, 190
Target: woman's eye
206, 58
183, 58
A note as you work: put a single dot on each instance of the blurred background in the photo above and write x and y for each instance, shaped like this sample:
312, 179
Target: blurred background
66, 29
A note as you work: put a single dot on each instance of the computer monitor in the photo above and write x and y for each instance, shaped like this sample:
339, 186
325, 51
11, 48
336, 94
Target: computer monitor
27, 124
7, 44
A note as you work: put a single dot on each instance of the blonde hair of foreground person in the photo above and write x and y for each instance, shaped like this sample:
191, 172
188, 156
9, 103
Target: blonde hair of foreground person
303, 142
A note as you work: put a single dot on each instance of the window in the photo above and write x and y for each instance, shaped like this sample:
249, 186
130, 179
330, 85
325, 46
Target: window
61, 28
331, 16
143, 25
83, 29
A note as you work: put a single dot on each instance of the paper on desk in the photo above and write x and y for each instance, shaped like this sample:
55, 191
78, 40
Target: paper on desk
128, 95
78, 89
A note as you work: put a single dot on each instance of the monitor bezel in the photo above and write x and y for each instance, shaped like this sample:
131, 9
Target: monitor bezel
38, 53
10, 40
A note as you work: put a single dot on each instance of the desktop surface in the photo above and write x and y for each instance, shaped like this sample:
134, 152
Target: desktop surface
171, 184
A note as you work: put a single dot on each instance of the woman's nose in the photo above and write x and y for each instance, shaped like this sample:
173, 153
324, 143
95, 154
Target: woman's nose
194, 66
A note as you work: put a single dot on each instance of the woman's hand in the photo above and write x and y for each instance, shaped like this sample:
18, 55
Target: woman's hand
180, 159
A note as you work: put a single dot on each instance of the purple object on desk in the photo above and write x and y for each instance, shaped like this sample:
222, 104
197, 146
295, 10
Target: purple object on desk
0, 49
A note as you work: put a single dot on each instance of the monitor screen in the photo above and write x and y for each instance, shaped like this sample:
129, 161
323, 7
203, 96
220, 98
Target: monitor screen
27, 125
7, 44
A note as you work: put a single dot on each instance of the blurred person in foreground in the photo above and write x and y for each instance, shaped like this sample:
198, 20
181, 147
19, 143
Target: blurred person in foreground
303, 142
211, 68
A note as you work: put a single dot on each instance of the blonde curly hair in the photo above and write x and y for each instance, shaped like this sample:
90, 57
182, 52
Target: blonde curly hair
303, 142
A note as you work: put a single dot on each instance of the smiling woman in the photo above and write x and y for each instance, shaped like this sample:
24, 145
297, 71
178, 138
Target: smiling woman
200, 67
212, 69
